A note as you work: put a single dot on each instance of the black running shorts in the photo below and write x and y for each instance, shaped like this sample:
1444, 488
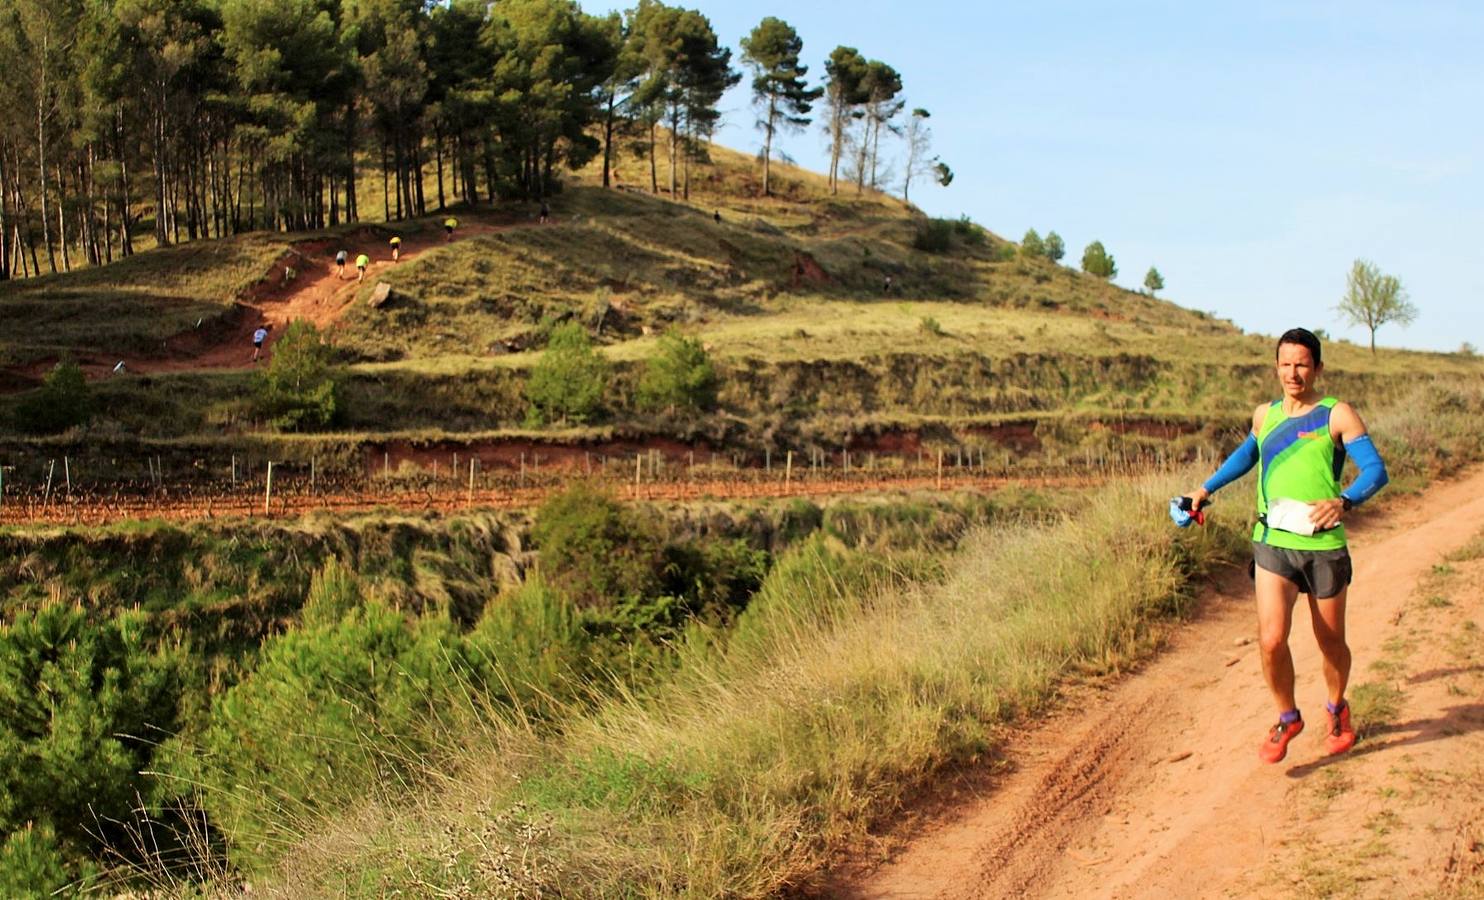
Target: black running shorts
1319, 573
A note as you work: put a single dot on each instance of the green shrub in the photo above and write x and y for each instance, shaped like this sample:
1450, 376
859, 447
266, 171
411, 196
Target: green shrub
1096, 260
934, 236
63, 401
596, 550
332, 713
1031, 245
33, 865
931, 326
82, 705
297, 390
567, 383
678, 376
970, 232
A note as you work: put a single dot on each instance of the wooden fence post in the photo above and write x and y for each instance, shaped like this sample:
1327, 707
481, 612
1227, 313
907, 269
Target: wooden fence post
470, 501
788, 469
67, 471
268, 491
940, 470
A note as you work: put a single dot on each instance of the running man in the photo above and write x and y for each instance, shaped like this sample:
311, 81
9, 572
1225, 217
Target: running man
396, 243
449, 224
545, 212
340, 264
1299, 444
362, 262
258, 337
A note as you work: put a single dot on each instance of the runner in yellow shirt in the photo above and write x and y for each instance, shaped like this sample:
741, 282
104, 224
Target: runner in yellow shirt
449, 224
396, 243
362, 262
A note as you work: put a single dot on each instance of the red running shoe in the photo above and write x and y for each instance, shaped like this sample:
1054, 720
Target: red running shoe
1341, 736
1276, 746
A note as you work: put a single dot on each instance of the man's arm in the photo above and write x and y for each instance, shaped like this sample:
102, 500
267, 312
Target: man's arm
1238, 464
1346, 427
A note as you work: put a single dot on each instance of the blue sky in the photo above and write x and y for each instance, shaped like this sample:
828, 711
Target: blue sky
1250, 151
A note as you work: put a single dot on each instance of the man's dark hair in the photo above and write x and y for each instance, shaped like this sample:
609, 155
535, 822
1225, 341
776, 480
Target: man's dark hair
1304, 338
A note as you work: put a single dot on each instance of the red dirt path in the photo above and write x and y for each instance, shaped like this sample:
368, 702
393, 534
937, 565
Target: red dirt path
1151, 787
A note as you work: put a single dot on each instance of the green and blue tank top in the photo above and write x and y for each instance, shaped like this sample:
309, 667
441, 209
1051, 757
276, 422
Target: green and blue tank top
1298, 459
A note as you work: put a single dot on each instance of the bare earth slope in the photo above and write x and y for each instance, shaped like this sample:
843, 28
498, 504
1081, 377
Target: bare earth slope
1153, 788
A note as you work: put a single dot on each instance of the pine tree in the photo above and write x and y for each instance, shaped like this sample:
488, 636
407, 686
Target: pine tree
778, 87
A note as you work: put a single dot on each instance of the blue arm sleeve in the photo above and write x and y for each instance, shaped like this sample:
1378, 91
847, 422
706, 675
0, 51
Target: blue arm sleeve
1236, 465
1372, 477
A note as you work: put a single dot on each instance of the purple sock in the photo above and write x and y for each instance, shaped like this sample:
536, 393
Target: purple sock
1289, 717
1334, 708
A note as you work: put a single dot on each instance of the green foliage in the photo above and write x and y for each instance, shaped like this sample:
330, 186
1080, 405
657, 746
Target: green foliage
82, 705
63, 401
678, 376
331, 712
1096, 260
567, 383
595, 549
934, 236
333, 594
778, 87
297, 390
1153, 281
33, 865
1055, 247
1373, 299
1031, 245
930, 326
942, 174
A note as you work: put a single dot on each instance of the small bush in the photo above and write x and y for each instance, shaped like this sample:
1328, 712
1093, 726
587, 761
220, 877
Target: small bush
596, 550
80, 705
678, 376
63, 401
969, 232
297, 390
567, 384
931, 326
934, 236
1031, 245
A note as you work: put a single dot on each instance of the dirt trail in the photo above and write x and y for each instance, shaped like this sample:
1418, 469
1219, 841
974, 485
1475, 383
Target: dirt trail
1152, 787
315, 293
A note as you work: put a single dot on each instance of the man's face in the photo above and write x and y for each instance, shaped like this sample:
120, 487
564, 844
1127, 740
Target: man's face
1296, 370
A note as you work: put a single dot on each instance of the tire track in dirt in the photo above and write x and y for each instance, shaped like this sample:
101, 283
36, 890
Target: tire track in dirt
1151, 787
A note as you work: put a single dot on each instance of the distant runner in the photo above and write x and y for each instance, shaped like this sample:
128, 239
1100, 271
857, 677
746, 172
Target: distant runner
396, 243
545, 212
362, 262
258, 337
340, 264
1299, 444
449, 224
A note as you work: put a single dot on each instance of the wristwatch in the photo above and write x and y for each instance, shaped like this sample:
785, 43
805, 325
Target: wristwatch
1346, 503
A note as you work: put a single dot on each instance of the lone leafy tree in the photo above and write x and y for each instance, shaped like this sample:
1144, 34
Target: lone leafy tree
1056, 248
567, 384
1372, 299
1153, 281
1096, 260
778, 87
